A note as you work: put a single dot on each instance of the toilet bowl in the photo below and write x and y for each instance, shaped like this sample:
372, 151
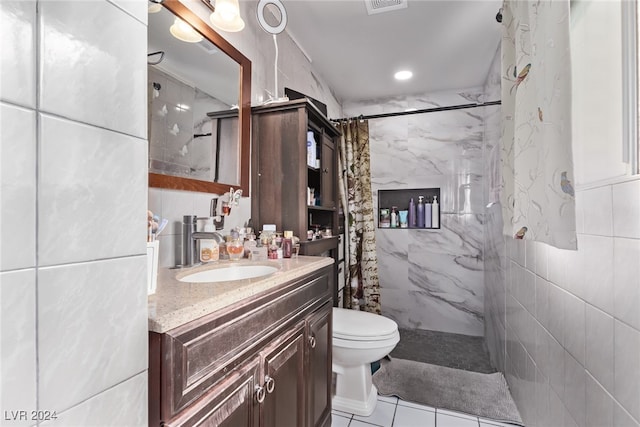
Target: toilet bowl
359, 338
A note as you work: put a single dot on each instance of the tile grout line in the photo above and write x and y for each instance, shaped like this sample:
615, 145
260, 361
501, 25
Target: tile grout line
38, 77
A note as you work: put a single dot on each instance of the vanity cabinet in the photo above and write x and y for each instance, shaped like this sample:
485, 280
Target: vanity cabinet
282, 177
259, 363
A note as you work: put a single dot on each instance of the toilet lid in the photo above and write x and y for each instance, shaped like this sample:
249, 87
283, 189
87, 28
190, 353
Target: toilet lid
354, 325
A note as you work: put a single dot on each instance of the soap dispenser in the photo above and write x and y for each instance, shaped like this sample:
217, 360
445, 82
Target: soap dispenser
435, 213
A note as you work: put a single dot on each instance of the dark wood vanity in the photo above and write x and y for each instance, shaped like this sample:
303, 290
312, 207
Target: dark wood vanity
260, 361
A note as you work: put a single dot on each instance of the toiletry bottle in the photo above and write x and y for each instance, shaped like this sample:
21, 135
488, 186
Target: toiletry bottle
420, 212
427, 214
311, 149
235, 247
272, 250
435, 213
287, 244
412, 213
394, 216
249, 245
259, 253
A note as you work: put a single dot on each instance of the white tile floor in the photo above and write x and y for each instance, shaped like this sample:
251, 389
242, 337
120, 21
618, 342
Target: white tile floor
393, 412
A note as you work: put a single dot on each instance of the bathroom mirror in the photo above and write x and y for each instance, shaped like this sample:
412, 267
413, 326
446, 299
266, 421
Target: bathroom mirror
199, 96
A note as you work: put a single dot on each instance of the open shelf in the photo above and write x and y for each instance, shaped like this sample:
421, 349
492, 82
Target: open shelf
400, 199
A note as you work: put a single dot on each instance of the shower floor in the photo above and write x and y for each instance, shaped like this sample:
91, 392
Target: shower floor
444, 349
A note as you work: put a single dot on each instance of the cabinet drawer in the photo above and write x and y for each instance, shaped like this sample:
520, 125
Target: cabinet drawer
198, 355
229, 404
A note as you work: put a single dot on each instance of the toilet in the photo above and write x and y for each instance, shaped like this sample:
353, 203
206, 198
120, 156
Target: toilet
359, 338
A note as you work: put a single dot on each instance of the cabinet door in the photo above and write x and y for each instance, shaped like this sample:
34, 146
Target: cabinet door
231, 404
284, 405
328, 185
319, 365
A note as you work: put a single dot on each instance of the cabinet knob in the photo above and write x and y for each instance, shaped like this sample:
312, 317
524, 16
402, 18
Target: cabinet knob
312, 341
270, 383
325, 170
260, 394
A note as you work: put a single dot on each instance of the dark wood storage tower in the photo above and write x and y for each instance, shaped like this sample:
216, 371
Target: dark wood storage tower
281, 176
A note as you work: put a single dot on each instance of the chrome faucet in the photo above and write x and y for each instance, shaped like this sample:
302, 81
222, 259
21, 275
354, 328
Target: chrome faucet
190, 237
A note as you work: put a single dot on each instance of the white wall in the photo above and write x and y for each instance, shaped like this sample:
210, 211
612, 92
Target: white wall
295, 72
564, 326
73, 265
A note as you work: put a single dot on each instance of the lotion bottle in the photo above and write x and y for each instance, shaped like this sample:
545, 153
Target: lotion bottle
427, 215
435, 213
420, 212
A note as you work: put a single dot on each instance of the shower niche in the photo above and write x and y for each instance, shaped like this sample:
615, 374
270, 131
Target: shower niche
397, 201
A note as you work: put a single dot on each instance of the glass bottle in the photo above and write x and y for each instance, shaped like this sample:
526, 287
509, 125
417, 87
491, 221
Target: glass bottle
235, 248
287, 244
272, 250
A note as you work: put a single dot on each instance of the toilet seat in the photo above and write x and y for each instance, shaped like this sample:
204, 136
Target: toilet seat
364, 344
353, 325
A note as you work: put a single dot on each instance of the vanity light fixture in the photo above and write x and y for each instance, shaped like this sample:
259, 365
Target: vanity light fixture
226, 16
185, 32
403, 75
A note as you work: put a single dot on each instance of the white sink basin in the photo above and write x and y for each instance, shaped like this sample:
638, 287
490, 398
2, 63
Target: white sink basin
232, 272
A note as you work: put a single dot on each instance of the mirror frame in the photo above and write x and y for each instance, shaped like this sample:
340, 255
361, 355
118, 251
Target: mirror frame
189, 184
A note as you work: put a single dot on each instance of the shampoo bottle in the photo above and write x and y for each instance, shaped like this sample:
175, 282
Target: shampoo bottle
427, 215
435, 213
412, 213
420, 212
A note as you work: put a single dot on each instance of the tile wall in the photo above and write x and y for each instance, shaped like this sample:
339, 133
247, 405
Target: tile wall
295, 72
73, 304
564, 326
431, 279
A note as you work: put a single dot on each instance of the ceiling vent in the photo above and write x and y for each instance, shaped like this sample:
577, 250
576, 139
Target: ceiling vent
379, 6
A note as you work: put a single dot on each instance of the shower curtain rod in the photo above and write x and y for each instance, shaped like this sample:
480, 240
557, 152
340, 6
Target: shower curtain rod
424, 110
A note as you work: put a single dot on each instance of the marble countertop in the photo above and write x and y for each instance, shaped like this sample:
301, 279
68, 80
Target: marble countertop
176, 303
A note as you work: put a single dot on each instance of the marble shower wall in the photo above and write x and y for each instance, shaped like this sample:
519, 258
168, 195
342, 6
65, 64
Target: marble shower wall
431, 279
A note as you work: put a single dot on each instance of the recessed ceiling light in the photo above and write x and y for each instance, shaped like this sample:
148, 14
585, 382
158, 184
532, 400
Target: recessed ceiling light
403, 75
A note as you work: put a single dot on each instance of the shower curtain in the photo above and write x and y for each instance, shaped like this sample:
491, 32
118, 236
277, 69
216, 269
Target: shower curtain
537, 198
362, 289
